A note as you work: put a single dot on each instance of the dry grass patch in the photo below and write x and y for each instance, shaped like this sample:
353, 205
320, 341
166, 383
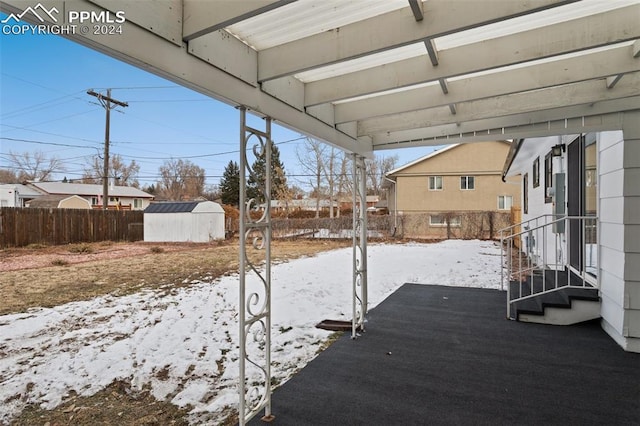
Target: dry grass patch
123, 269
133, 268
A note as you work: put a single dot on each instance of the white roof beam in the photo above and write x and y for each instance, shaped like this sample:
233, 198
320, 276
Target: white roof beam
163, 18
216, 48
552, 40
364, 37
203, 17
602, 116
586, 92
600, 64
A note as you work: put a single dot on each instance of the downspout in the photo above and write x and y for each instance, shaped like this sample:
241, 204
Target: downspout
395, 204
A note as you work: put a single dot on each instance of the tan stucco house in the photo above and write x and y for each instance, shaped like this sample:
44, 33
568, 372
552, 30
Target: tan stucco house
451, 192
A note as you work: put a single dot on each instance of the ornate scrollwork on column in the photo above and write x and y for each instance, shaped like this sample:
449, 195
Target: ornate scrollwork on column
359, 246
255, 299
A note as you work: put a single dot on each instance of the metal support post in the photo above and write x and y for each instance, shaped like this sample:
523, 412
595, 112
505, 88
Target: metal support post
255, 299
359, 245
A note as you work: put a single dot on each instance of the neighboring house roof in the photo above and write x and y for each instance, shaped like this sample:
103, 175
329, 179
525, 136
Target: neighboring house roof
24, 191
421, 159
88, 189
513, 153
184, 207
429, 156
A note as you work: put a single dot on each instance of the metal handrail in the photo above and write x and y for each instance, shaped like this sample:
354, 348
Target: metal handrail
538, 258
526, 221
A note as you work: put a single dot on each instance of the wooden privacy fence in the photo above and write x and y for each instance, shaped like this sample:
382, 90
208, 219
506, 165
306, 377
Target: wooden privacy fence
23, 226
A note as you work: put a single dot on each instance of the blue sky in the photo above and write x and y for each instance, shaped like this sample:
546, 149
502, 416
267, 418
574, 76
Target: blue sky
44, 107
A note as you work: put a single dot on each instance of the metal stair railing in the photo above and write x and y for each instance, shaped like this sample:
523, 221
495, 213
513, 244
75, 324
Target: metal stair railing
523, 239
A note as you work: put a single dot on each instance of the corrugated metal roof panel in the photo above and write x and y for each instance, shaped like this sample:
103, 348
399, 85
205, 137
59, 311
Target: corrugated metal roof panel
304, 18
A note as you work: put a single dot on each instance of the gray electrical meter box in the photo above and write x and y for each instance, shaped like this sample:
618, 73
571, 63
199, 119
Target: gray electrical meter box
558, 201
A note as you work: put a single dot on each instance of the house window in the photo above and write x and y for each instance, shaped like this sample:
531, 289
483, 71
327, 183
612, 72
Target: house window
441, 220
505, 202
525, 193
114, 199
548, 177
536, 172
94, 201
467, 182
137, 203
435, 183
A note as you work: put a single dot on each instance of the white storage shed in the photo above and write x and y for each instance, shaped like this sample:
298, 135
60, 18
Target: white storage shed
193, 221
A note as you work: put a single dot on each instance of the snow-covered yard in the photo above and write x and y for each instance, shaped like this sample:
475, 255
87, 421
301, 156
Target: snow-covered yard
182, 343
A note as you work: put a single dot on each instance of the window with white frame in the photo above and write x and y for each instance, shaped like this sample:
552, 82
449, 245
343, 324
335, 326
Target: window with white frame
435, 183
536, 172
467, 182
137, 203
441, 220
94, 201
505, 202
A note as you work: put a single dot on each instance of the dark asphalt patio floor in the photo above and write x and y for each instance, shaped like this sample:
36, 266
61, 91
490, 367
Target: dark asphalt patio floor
436, 355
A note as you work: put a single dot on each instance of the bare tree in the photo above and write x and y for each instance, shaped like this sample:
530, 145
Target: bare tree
35, 166
181, 180
123, 174
376, 170
329, 166
8, 176
345, 179
311, 160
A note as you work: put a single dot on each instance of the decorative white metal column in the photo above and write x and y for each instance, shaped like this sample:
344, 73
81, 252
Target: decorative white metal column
359, 245
255, 302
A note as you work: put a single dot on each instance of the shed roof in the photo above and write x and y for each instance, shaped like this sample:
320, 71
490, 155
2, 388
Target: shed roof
184, 207
172, 207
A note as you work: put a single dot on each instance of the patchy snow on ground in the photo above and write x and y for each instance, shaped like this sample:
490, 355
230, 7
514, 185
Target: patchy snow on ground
182, 343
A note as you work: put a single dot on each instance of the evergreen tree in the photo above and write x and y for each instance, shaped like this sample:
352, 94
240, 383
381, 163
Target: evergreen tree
230, 184
255, 182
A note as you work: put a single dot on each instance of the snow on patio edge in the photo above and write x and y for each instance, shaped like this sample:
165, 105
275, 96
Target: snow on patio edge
183, 343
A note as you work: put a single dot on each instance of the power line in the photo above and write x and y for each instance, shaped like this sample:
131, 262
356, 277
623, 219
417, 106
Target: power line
39, 106
47, 143
53, 120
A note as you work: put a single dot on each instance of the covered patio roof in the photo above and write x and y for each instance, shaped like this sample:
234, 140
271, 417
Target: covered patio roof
378, 74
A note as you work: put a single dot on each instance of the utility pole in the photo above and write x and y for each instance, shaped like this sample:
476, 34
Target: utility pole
106, 102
